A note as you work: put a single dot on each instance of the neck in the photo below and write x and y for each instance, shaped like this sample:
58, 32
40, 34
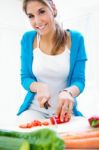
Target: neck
48, 38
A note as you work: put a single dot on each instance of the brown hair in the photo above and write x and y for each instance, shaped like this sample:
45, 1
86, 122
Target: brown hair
60, 37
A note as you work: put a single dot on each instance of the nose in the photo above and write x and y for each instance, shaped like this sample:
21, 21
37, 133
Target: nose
37, 20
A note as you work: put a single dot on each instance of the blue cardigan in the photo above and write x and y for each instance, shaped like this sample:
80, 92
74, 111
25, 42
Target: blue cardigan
77, 66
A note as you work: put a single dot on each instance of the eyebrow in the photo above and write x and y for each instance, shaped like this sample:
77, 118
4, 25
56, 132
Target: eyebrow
37, 10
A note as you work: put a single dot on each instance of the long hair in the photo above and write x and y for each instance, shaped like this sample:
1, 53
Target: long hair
60, 37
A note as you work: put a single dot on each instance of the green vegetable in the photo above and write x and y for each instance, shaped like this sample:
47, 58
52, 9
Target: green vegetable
10, 143
95, 123
42, 139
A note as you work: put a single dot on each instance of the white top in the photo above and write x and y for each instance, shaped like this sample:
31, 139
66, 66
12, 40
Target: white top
52, 70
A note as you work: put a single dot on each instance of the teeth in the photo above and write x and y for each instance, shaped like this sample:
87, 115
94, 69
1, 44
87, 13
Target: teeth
42, 27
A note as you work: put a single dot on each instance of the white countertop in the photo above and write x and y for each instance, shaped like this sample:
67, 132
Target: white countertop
76, 124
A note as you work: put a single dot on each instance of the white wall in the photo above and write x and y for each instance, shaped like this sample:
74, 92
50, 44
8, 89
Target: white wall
79, 15
12, 26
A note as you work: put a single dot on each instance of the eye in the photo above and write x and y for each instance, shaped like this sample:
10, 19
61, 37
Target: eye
30, 16
41, 11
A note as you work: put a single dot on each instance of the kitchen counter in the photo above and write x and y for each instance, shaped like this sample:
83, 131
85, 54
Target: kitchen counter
75, 125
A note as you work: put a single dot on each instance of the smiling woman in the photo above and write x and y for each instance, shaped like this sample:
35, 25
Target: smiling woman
42, 20
53, 64
83, 17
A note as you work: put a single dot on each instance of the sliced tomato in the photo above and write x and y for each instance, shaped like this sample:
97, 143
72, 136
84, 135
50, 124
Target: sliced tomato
29, 125
52, 120
45, 123
36, 123
57, 119
22, 126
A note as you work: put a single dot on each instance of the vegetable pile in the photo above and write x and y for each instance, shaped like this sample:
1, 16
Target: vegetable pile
34, 123
42, 139
83, 140
51, 121
94, 121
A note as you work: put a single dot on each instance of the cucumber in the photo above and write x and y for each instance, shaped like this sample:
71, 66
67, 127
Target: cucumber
42, 139
10, 143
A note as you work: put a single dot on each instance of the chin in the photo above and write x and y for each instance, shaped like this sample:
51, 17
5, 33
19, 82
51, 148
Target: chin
44, 33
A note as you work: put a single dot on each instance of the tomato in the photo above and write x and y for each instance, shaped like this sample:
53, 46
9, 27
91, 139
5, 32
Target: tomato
57, 119
52, 120
22, 126
45, 123
29, 125
36, 123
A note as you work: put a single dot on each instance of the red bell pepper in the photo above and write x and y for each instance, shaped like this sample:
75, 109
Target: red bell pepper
57, 119
94, 121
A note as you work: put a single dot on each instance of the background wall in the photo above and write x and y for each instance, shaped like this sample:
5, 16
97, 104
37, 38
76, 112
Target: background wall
77, 15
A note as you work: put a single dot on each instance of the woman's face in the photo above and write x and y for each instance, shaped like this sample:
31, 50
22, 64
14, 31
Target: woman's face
41, 17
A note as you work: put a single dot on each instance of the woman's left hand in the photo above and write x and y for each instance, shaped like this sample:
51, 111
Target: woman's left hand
65, 105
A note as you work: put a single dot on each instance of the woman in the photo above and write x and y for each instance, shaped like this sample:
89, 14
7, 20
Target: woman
52, 64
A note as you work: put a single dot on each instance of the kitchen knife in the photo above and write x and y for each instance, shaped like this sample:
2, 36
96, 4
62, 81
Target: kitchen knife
46, 106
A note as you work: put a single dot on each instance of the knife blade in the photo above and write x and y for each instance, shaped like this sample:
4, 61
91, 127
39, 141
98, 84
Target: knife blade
46, 106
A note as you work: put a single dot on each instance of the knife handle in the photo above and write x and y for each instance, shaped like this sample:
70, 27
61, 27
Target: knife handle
46, 105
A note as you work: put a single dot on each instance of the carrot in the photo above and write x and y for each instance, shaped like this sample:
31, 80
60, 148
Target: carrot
82, 143
90, 134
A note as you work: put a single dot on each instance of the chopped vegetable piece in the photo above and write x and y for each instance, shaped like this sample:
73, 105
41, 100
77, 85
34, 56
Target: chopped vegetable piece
94, 121
58, 121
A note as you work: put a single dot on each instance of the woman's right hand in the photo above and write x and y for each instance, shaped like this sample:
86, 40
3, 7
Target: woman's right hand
43, 94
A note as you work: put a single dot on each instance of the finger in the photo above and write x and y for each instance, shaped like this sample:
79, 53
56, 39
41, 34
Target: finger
69, 112
47, 105
67, 116
59, 107
44, 99
70, 106
64, 111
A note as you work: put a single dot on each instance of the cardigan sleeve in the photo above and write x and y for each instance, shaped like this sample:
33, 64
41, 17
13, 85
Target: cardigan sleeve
78, 73
27, 76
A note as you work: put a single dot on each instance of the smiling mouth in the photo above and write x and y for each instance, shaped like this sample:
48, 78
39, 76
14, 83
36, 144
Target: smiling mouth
41, 27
